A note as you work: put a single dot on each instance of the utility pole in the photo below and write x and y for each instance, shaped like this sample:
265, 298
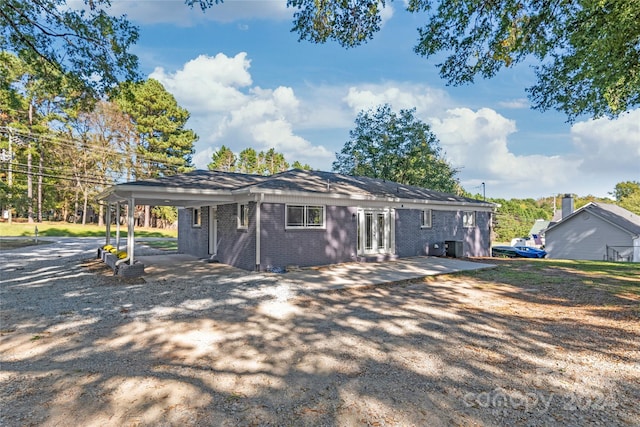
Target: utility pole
484, 196
40, 167
10, 175
29, 169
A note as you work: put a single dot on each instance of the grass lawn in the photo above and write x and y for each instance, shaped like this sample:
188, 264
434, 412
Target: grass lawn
65, 229
165, 245
567, 278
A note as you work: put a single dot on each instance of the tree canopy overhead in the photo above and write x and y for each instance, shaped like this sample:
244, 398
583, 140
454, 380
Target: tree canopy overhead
588, 51
397, 147
88, 46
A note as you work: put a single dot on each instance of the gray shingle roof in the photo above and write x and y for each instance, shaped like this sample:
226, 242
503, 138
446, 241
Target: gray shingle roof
329, 182
297, 180
614, 214
202, 179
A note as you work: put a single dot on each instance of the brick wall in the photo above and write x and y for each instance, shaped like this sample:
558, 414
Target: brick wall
236, 246
193, 240
305, 247
335, 244
412, 240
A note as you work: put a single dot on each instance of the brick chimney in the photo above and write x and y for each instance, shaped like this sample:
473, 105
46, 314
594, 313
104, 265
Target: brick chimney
567, 205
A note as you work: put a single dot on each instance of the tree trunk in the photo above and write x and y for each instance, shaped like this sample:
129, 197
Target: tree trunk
75, 205
100, 215
147, 216
84, 208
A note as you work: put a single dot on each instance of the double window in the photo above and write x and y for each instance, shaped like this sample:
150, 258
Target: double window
243, 215
426, 219
305, 216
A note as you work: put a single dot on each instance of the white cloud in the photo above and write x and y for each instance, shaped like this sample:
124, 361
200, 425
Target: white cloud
518, 103
226, 109
477, 142
279, 135
399, 95
608, 145
386, 13
203, 157
208, 83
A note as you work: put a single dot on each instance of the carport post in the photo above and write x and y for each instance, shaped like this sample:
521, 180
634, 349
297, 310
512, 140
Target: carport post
118, 226
108, 218
130, 239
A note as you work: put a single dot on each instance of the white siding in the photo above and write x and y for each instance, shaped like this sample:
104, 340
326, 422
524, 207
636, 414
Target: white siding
584, 237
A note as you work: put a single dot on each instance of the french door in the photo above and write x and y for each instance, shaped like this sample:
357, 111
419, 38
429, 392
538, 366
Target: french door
375, 231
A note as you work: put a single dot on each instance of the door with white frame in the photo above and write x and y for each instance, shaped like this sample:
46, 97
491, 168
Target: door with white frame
375, 231
213, 230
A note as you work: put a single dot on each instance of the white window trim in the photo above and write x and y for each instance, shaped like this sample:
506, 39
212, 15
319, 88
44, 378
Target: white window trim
423, 215
304, 219
196, 213
246, 216
473, 215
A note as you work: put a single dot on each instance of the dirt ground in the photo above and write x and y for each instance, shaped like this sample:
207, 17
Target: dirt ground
80, 347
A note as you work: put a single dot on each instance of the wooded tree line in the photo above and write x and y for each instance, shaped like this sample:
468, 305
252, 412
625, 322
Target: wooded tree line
515, 217
59, 149
252, 162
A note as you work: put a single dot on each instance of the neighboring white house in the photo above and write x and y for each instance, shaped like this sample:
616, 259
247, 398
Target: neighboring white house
596, 231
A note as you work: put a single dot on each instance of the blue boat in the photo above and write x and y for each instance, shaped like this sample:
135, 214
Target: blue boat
518, 251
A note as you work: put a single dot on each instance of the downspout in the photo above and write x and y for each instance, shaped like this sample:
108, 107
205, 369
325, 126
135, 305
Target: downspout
258, 208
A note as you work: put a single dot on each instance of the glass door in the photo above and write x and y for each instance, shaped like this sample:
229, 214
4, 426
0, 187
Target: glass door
375, 229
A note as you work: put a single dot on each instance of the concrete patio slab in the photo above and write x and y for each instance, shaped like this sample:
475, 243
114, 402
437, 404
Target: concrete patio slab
331, 277
351, 275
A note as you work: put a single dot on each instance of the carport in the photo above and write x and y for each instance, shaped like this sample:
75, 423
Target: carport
179, 191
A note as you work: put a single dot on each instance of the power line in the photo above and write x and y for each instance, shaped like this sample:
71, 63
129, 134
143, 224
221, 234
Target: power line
76, 144
66, 177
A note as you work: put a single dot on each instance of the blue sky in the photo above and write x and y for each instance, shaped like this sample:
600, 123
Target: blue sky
248, 82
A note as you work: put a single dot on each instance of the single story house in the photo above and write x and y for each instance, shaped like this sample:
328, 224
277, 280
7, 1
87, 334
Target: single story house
596, 231
308, 218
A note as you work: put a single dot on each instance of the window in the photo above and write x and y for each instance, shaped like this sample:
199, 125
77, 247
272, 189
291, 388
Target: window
469, 219
243, 215
426, 219
197, 217
300, 216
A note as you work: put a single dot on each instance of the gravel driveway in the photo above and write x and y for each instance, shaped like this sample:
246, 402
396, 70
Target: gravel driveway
80, 347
